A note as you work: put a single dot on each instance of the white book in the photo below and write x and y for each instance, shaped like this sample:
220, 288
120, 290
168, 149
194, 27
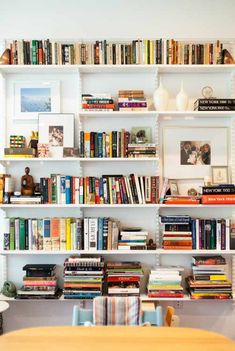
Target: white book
147, 189
128, 189
76, 190
115, 232
62, 234
93, 233
138, 189
218, 235
140, 233
123, 291
86, 234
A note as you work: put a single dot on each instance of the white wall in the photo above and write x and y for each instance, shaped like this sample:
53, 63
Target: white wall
116, 19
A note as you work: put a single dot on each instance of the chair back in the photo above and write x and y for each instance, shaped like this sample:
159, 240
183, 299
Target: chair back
82, 316
153, 317
171, 319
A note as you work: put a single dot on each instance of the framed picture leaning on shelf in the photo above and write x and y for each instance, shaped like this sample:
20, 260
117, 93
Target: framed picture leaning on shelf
33, 97
56, 130
189, 152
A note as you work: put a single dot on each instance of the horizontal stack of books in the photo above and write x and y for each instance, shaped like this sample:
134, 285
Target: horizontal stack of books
209, 279
177, 234
97, 102
203, 234
123, 278
132, 100
104, 144
218, 194
179, 53
83, 277
165, 282
108, 189
213, 104
25, 200
141, 150
18, 152
103, 52
132, 238
40, 282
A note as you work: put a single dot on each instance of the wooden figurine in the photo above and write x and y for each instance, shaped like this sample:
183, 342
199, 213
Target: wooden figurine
27, 184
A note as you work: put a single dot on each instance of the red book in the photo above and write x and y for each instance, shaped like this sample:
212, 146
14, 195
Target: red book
218, 199
97, 194
123, 279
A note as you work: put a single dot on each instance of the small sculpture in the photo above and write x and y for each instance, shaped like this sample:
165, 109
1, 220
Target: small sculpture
27, 184
34, 141
227, 58
5, 57
192, 192
151, 245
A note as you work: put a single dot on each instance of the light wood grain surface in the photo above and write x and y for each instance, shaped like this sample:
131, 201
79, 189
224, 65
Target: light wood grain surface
114, 339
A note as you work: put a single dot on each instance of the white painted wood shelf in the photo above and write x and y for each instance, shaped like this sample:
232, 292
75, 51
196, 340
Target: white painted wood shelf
78, 159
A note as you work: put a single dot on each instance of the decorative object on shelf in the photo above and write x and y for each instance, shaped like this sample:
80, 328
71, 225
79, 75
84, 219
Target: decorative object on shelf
34, 141
9, 289
220, 174
34, 97
207, 92
182, 99
5, 57
227, 58
141, 135
160, 98
17, 141
192, 192
57, 130
173, 187
27, 183
185, 148
207, 181
151, 245
43, 150
70, 152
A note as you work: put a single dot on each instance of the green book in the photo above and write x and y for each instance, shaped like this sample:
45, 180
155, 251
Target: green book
213, 235
34, 52
22, 234
53, 188
12, 233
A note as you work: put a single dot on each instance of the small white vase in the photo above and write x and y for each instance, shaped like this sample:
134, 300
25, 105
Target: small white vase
160, 98
182, 99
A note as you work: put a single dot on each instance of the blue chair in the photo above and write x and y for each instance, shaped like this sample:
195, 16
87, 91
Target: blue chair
82, 316
153, 317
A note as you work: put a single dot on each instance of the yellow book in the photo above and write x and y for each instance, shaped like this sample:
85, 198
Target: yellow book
218, 277
151, 52
68, 234
110, 145
19, 156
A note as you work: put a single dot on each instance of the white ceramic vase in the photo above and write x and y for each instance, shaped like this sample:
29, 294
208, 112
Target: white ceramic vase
182, 99
160, 98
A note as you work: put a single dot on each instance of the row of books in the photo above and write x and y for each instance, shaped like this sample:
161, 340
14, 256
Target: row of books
39, 52
181, 52
108, 189
165, 282
183, 232
83, 277
209, 278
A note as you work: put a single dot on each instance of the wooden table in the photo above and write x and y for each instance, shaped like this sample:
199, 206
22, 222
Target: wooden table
114, 339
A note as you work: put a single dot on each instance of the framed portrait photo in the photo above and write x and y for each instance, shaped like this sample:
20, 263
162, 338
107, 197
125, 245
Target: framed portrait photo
34, 97
56, 130
189, 152
173, 187
220, 175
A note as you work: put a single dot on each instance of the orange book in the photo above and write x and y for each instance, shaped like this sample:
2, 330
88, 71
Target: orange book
182, 202
77, 285
55, 227
177, 247
218, 199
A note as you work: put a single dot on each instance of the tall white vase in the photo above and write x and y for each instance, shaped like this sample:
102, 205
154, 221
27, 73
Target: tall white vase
182, 99
160, 98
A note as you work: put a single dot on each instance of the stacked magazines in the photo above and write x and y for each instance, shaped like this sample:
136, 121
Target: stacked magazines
123, 278
40, 282
83, 277
209, 279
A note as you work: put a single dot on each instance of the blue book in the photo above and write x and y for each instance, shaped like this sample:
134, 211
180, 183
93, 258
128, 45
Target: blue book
67, 189
100, 144
46, 228
193, 228
100, 233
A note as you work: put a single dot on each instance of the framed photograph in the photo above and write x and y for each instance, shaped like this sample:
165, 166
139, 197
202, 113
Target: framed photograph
173, 187
141, 135
56, 130
34, 97
189, 152
220, 175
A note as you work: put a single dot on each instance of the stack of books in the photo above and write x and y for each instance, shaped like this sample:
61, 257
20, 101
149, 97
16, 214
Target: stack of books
177, 233
104, 144
108, 189
18, 152
213, 104
218, 194
209, 279
123, 278
141, 150
132, 100
40, 282
132, 238
83, 277
97, 102
165, 282
26, 200
103, 52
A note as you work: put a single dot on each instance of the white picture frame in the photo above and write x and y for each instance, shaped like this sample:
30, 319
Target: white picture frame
220, 175
173, 136
57, 130
34, 97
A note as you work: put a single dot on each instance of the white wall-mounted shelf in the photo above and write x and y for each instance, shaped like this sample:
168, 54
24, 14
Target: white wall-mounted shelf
79, 252
118, 113
5, 206
78, 159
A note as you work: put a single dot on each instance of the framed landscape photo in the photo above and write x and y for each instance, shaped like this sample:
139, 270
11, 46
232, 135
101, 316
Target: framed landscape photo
220, 175
189, 152
56, 130
34, 97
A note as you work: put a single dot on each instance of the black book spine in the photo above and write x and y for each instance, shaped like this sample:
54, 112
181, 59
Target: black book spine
122, 55
207, 234
26, 234
96, 146
82, 144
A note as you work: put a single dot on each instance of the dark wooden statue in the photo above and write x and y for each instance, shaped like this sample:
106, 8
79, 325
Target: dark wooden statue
27, 184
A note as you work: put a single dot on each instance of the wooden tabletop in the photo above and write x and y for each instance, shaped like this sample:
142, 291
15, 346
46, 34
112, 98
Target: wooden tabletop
115, 338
